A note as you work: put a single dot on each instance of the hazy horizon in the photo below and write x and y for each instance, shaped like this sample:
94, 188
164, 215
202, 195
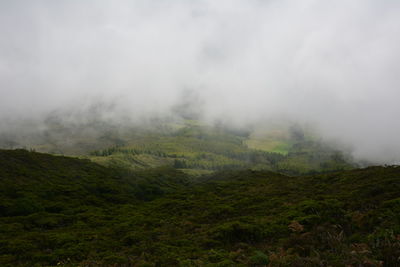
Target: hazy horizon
331, 64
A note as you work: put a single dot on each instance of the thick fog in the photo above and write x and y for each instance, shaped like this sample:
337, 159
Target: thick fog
332, 64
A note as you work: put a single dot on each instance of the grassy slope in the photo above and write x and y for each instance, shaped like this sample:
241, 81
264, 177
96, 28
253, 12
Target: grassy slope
198, 149
190, 145
58, 210
269, 145
277, 140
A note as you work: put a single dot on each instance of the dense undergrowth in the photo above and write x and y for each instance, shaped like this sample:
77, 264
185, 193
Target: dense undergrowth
64, 211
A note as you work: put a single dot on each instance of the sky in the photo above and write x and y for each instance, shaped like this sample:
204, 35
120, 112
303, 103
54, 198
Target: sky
332, 64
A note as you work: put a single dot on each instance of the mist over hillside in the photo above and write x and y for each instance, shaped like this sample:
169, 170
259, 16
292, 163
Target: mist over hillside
200, 133
332, 65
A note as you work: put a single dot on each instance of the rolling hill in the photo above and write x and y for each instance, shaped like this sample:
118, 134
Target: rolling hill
201, 149
193, 146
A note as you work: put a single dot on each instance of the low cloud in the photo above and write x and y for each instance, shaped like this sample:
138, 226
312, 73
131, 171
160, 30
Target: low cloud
334, 64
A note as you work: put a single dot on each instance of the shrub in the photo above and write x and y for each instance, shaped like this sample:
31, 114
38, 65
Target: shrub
259, 258
233, 232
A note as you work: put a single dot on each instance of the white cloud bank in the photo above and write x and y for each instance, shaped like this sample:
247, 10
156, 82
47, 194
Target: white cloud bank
332, 63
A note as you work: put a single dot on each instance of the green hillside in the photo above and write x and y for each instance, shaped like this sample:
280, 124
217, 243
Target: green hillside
192, 146
71, 212
200, 149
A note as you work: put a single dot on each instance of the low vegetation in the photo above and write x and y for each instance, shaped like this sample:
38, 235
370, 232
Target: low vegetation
71, 212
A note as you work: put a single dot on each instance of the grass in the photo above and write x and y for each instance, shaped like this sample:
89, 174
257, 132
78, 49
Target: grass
268, 145
192, 146
202, 148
